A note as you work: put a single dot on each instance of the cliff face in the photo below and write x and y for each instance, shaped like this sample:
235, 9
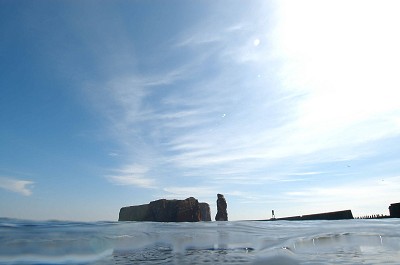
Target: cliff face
205, 212
188, 210
394, 210
134, 213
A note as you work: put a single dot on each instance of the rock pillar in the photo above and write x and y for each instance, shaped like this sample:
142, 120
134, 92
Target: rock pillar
222, 214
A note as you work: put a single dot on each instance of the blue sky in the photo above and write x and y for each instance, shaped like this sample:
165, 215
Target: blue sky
283, 105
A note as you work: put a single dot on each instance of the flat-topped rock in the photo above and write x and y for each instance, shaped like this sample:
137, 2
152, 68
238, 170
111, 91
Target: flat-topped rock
188, 210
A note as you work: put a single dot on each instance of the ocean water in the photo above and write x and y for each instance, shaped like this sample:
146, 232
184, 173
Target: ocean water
242, 242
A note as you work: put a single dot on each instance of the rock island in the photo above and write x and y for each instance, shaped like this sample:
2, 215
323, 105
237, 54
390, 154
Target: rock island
188, 210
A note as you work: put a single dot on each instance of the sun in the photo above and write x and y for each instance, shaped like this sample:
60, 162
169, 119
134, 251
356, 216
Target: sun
256, 42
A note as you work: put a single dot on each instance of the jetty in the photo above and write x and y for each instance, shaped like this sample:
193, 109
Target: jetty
338, 215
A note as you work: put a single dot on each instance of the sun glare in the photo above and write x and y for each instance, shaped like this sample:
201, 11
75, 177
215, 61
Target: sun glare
343, 54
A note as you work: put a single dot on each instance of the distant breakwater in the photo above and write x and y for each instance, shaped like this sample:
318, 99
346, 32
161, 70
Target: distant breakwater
337, 215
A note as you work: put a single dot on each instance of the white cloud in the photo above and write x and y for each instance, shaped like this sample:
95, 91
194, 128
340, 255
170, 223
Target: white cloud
187, 191
322, 119
361, 189
133, 175
242, 106
306, 173
15, 185
367, 196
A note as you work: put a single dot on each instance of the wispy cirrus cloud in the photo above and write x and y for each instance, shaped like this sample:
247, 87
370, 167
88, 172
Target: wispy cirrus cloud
373, 194
23, 187
329, 111
185, 191
246, 106
134, 175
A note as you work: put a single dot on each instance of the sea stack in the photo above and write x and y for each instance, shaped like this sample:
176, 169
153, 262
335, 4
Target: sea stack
222, 214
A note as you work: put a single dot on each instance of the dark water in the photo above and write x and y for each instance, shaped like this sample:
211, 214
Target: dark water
279, 242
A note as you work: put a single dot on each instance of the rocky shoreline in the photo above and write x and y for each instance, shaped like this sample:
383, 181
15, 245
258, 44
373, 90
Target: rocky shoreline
191, 210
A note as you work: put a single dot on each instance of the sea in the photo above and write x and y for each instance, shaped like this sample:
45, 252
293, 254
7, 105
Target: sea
357, 241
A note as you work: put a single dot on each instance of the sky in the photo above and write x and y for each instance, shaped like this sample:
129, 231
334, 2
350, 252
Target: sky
291, 106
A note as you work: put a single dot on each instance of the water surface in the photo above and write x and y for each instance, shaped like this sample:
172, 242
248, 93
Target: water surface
244, 242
